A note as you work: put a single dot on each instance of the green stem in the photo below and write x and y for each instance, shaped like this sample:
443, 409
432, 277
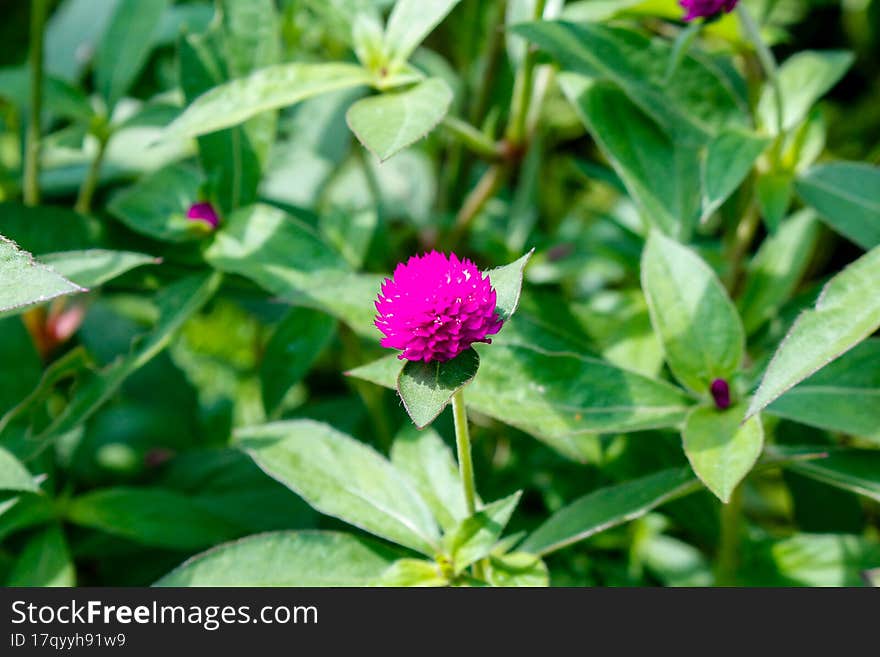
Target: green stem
728, 548
31, 181
463, 444
522, 91
90, 184
489, 184
768, 61
475, 140
740, 243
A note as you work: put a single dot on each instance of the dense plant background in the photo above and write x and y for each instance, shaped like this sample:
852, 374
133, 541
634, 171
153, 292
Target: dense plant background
165, 386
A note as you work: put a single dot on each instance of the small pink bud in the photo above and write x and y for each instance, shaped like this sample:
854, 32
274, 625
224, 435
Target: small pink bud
203, 212
720, 393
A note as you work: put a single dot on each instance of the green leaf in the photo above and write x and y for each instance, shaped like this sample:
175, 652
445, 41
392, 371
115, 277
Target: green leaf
426, 388
151, 516
290, 259
429, 463
729, 159
414, 572
855, 470
476, 535
804, 78
847, 311
344, 478
157, 204
23, 365
228, 157
286, 559
390, 122
125, 46
267, 89
229, 485
410, 22
176, 304
773, 192
59, 97
14, 476
697, 322
48, 229
246, 38
507, 282
722, 450
847, 197
517, 569
45, 560
558, 397
661, 175
775, 271
72, 32
808, 560
95, 267
25, 282
608, 507
842, 397
291, 351
695, 103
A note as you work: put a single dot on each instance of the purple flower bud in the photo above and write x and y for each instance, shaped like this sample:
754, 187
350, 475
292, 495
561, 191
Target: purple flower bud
203, 212
435, 307
706, 8
720, 393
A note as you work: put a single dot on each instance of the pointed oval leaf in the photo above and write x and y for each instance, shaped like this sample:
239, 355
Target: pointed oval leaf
847, 311
476, 535
777, 268
699, 326
847, 196
390, 122
560, 398
410, 22
14, 476
608, 507
150, 516
842, 397
344, 478
428, 461
507, 282
804, 78
269, 88
426, 388
855, 470
125, 46
45, 560
722, 450
96, 266
729, 158
25, 282
310, 558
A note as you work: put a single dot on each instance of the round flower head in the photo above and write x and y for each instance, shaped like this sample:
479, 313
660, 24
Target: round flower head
706, 8
203, 212
436, 307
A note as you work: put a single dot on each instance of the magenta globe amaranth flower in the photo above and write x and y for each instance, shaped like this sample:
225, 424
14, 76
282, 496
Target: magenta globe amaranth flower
203, 212
435, 307
706, 8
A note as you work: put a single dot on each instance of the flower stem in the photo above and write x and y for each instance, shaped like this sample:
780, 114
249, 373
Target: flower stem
728, 548
90, 184
31, 181
475, 140
523, 86
463, 444
768, 61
